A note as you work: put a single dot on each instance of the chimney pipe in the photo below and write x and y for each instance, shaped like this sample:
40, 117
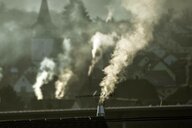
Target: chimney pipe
100, 111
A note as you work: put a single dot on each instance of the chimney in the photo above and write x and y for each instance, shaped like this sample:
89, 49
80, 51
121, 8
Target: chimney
100, 111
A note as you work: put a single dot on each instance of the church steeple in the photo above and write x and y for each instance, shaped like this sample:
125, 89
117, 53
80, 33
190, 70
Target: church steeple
45, 36
44, 14
44, 25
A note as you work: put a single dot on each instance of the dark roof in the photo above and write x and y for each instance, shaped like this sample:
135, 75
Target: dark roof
137, 89
184, 39
9, 78
179, 68
76, 122
182, 96
159, 78
153, 59
52, 104
31, 77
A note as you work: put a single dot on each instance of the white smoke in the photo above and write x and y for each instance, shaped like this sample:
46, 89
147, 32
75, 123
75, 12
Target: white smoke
65, 73
110, 15
1, 73
48, 70
100, 42
14, 34
62, 82
45, 74
146, 13
64, 58
67, 49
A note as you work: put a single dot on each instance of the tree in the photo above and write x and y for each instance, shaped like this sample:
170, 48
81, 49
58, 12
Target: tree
9, 99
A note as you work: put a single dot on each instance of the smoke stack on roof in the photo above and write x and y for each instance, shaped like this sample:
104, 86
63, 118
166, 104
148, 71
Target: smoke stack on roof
100, 111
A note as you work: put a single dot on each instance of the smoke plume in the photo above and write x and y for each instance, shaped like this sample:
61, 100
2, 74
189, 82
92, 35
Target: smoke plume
46, 73
15, 33
145, 14
48, 69
65, 73
100, 42
109, 15
1, 73
62, 82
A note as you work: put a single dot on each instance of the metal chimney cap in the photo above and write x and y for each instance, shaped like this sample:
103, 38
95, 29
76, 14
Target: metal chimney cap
100, 110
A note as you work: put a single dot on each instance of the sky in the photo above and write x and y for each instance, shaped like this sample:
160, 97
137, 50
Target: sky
95, 8
34, 5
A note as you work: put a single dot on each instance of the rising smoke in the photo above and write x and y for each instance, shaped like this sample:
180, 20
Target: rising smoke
1, 73
15, 33
48, 69
44, 76
100, 42
146, 13
79, 27
65, 72
109, 15
62, 82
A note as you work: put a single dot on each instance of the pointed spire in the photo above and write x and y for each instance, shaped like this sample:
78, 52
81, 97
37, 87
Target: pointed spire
44, 14
44, 24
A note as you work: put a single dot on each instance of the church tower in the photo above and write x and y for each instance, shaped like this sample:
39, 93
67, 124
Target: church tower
45, 41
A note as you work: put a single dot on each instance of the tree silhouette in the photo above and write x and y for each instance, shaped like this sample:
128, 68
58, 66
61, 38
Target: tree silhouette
9, 99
